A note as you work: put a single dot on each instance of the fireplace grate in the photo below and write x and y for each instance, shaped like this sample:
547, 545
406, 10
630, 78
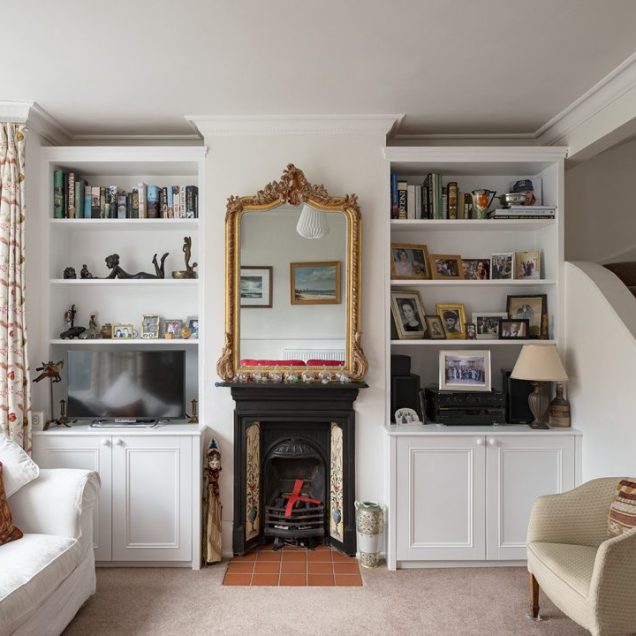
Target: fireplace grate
304, 522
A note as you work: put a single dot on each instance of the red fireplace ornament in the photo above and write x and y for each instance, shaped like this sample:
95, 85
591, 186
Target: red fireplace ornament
295, 496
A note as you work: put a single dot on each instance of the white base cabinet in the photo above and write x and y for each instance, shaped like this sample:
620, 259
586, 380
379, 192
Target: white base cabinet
466, 495
149, 505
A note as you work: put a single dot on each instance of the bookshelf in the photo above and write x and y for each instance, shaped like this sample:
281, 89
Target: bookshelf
494, 168
74, 242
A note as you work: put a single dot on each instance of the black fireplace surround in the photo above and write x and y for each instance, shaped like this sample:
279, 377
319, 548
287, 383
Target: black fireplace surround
283, 432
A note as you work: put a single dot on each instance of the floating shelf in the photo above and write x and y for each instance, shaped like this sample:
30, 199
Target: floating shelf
473, 283
469, 343
125, 224
100, 342
445, 225
97, 282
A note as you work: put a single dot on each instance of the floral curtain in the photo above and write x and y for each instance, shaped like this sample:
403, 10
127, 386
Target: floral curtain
15, 398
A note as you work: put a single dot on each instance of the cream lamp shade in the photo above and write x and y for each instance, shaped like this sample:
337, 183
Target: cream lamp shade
539, 363
312, 223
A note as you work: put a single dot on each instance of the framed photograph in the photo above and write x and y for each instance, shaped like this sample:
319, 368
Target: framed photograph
464, 370
512, 329
454, 320
471, 331
476, 268
123, 331
534, 308
150, 326
256, 286
488, 324
192, 322
315, 283
409, 262
408, 314
172, 328
501, 266
531, 187
435, 328
528, 265
446, 266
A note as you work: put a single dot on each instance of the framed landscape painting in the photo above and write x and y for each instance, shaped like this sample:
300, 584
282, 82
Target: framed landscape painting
315, 283
256, 286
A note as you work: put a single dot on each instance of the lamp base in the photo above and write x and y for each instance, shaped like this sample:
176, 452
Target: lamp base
538, 403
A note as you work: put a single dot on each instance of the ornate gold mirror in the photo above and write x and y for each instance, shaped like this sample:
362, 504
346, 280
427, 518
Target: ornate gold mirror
292, 261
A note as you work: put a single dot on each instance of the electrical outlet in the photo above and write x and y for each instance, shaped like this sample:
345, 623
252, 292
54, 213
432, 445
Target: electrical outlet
37, 420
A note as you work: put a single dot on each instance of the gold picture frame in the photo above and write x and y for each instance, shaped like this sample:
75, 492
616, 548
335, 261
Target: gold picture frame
450, 263
316, 296
455, 312
410, 261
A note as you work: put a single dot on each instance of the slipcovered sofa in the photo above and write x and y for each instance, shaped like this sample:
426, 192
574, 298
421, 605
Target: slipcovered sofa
48, 574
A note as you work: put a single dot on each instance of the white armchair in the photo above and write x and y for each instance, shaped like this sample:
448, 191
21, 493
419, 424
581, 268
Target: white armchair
46, 576
590, 578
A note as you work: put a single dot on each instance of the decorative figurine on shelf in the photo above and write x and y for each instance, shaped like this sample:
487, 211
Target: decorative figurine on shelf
212, 508
71, 330
194, 416
186, 332
112, 262
188, 272
51, 370
93, 331
69, 272
84, 273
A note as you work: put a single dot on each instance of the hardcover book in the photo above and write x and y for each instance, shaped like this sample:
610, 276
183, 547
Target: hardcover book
95, 202
192, 202
134, 204
176, 202
152, 202
113, 192
58, 194
88, 202
141, 190
402, 199
452, 194
121, 206
71, 195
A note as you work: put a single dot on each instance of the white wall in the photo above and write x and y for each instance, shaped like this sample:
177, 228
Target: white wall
600, 327
600, 225
344, 163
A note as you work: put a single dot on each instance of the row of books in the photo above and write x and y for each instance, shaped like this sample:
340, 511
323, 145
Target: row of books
74, 198
430, 200
524, 212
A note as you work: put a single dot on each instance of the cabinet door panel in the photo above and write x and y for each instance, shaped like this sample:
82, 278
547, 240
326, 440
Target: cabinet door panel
440, 499
152, 503
88, 453
520, 469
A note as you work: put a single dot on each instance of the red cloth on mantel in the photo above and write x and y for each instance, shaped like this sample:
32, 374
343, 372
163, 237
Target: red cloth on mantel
294, 496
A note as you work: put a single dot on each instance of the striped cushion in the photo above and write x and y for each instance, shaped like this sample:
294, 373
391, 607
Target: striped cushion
8, 532
622, 514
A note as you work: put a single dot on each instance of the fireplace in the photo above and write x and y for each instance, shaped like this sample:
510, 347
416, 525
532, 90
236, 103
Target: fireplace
298, 442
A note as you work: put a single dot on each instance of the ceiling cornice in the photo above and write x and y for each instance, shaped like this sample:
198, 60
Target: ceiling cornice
36, 118
293, 124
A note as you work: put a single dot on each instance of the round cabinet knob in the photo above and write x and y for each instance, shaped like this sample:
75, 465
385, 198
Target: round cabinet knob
492, 442
105, 442
479, 441
119, 441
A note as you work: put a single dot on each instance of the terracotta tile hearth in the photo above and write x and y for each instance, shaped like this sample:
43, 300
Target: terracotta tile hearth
292, 566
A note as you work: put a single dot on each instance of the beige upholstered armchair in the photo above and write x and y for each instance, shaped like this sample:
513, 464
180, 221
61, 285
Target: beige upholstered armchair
591, 578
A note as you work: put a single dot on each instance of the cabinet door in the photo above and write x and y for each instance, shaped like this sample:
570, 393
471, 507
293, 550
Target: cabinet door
152, 498
89, 452
440, 498
520, 469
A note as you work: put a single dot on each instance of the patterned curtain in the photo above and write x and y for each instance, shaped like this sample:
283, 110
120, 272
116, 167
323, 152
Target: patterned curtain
15, 398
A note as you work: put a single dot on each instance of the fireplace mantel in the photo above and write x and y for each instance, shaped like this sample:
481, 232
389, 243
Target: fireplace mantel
265, 413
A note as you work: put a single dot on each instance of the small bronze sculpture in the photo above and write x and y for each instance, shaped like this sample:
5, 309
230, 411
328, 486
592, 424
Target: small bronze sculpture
69, 272
71, 330
51, 370
84, 273
93, 328
112, 262
188, 272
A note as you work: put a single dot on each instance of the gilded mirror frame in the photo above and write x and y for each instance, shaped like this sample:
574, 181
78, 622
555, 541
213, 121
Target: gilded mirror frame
293, 188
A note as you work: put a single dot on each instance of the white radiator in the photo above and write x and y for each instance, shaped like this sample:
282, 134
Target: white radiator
313, 354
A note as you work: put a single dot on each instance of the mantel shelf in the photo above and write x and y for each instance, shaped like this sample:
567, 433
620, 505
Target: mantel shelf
474, 283
488, 225
125, 224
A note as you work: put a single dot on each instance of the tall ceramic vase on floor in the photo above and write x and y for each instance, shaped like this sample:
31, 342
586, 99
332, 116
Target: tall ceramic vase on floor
369, 529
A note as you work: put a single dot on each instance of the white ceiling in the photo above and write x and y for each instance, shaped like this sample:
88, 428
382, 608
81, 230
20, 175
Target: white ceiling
452, 66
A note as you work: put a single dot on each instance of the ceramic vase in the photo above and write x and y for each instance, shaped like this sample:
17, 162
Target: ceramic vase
369, 529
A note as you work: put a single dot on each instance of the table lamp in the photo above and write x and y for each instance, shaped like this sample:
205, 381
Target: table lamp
539, 364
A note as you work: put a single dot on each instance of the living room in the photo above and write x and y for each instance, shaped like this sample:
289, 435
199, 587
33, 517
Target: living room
189, 361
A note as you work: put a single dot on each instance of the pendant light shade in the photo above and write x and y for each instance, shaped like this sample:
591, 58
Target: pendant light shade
312, 223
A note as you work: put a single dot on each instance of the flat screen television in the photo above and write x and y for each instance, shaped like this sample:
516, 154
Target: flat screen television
141, 385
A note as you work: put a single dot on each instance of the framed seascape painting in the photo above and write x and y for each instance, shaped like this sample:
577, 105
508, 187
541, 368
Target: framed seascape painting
464, 370
408, 315
315, 283
409, 261
256, 286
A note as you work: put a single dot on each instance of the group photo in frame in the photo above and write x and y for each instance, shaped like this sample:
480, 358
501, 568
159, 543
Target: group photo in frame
453, 317
409, 261
502, 266
446, 266
256, 286
408, 314
464, 370
534, 308
488, 324
528, 265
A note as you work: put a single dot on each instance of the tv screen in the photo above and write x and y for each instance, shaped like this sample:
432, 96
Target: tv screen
126, 384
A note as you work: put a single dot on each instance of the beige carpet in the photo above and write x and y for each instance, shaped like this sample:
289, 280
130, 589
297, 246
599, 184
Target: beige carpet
165, 601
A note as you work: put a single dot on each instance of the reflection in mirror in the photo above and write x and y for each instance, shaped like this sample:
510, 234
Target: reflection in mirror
306, 317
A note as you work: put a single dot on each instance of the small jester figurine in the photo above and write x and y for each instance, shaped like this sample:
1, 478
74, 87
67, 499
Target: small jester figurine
212, 506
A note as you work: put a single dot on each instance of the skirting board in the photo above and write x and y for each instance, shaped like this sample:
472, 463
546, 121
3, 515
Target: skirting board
406, 565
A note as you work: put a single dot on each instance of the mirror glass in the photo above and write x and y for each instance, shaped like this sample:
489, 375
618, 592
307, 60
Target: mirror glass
293, 291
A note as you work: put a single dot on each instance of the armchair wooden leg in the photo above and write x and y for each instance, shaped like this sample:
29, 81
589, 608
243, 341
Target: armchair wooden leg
534, 590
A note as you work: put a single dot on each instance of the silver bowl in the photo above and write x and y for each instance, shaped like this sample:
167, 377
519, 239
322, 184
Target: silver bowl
512, 198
